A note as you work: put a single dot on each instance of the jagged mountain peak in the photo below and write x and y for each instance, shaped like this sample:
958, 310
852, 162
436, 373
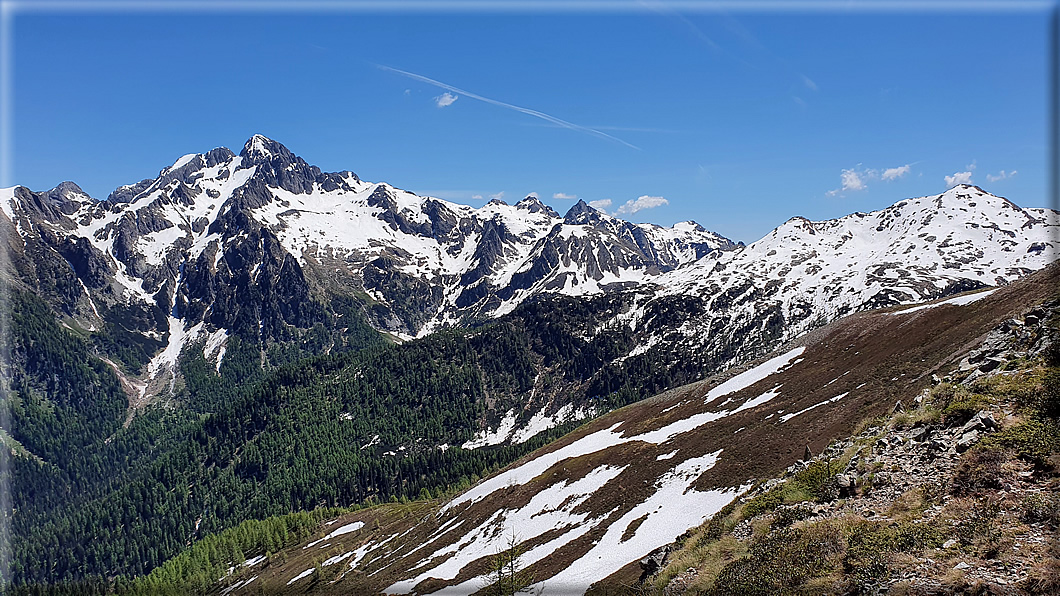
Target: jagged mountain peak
534, 205
260, 146
689, 226
581, 213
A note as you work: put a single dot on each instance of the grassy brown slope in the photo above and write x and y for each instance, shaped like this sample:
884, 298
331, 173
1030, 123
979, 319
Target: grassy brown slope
876, 358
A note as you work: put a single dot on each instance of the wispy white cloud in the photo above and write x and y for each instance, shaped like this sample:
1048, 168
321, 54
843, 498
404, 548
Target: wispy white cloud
1001, 175
600, 204
857, 178
499, 195
850, 180
640, 203
895, 173
961, 177
445, 99
564, 196
476, 196
810, 84
527, 111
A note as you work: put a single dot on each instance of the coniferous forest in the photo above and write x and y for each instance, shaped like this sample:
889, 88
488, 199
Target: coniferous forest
104, 493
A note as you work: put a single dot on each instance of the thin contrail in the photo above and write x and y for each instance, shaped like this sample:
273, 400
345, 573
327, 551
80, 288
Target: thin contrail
527, 111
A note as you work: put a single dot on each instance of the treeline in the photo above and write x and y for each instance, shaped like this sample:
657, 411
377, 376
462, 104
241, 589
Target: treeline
373, 422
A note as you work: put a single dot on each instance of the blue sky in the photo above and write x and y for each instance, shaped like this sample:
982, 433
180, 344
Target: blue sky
738, 120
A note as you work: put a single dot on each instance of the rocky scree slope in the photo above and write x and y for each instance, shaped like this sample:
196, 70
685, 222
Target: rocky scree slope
587, 508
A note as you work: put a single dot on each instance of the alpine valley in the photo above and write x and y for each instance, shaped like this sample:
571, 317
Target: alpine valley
247, 338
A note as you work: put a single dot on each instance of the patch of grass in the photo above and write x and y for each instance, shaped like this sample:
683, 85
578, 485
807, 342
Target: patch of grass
956, 403
910, 418
910, 505
871, 544
709, 557
976, 526
1044, 577
763, 503
1035, 440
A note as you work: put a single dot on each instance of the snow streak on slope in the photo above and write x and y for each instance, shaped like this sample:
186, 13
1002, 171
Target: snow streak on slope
556, 508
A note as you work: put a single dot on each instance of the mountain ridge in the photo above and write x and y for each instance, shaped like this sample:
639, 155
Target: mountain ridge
259, 245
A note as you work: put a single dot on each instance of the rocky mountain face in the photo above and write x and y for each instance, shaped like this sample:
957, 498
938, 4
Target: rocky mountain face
261, 244
593, 510
266, 248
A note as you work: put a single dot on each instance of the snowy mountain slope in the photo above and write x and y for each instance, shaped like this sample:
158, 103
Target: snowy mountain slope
266, 225
804, 274
589, 506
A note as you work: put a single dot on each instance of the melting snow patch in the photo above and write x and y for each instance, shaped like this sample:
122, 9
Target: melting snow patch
485, 437
541, 422
337, 559
958, 301
665, 456
757, 401
300, 576
549, 509
337, 532
756, 374
787, 417
674, 508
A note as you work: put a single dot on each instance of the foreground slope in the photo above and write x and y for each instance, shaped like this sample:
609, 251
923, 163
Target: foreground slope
601, 498
957, 493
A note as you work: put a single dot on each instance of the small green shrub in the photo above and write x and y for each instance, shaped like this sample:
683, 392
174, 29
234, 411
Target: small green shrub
978, 528
1033, 440
1039, 508
979, 469
818, 479
763, 503
871, 544
1049, 404
785, 516
782, 561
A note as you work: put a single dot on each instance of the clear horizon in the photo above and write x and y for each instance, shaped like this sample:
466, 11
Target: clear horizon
736, 120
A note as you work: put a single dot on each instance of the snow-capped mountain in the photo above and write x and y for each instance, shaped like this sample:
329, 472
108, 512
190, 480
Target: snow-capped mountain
259, 242
806, 273
263, 246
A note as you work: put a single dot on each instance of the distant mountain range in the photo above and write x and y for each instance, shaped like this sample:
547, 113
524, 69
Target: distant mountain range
266, 247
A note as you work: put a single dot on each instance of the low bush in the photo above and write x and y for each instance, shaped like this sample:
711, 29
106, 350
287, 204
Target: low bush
1041, 508
977, 527
783, 561
979, 469
1035, 440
